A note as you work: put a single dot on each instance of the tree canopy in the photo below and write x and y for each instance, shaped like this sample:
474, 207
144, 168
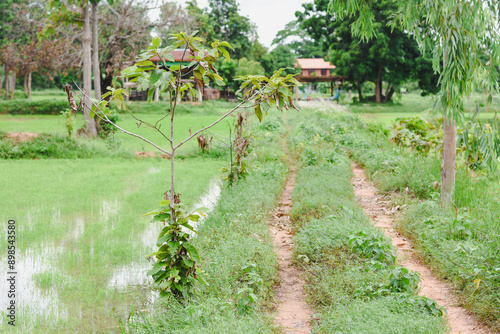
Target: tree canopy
391, 57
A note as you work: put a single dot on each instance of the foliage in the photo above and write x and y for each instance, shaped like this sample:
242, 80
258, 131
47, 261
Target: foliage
24, 107
51, 146
230, 26
301, 43
373, 248
246, 297
391, 57
419, 134
280, 57
176, 257
69, 121
105, 128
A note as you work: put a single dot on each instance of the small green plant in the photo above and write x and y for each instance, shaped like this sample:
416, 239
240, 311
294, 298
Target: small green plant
460, 228
246, 297
403, 280
428, 304
69, 120
310, 156
176, 258
373, 248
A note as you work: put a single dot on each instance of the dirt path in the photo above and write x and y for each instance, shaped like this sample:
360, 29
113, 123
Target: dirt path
293, 314
381, 213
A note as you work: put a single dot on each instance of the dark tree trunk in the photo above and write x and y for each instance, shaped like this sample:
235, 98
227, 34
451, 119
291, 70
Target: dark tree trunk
389, 93
378, 85
360, 93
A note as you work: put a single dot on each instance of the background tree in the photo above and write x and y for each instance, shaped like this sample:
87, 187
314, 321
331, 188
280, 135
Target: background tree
391, 57
461, 35
299, 41
280, 57
230, 26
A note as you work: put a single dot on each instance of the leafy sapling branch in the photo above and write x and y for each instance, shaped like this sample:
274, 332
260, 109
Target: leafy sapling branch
157, 72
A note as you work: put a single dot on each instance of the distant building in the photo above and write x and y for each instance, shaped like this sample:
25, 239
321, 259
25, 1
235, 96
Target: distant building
318, 70
314, 68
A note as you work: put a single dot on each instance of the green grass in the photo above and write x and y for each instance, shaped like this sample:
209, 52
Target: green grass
345, 292
413, 104
190, 118
461, 243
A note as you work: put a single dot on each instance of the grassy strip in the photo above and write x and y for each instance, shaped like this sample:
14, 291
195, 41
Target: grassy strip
460, 244
25, 107
352, 279
238, 261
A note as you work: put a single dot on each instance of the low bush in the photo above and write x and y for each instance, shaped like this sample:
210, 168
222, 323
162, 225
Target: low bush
52, 146
25, 107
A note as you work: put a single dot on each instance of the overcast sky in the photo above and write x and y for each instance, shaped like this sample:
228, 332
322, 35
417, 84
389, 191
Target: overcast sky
270, 16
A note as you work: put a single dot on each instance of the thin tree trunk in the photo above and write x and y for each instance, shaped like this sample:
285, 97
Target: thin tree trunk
378, 85
90, 128
7, 81
29, 85
448, 160
13, 83
95, 53
360, 93
26, 84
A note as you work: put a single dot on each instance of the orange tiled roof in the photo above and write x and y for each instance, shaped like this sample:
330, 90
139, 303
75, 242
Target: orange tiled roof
177, 53
314, 63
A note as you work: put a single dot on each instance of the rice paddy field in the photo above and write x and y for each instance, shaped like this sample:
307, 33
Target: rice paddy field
81, 241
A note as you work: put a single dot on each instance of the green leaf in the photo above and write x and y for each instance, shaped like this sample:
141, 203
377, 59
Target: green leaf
155, 76
258, 112
193, 252
156, 42
164, 202
161, 217
156, 268
162, 240
150, 213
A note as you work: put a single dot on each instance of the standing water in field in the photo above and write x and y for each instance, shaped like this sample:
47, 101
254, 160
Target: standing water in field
135, 273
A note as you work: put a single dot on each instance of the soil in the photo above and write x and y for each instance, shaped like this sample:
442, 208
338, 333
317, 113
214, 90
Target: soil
21, 137
382, 214
293, 314
150, 154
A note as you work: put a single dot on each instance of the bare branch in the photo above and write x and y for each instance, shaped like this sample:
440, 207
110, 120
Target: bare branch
106, 119
217, 121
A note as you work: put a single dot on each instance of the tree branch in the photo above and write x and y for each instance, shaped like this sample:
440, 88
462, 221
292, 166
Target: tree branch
217, 121
106, 119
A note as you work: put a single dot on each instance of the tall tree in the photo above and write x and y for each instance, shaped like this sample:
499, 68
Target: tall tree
299, 41
230, 26
96, 68
90, 126
461, 35
390, 58
280, 57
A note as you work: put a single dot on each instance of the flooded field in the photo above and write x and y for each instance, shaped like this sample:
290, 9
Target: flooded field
82, 245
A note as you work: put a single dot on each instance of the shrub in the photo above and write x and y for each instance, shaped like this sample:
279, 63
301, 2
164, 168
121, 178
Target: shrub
24, 107
49, 146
